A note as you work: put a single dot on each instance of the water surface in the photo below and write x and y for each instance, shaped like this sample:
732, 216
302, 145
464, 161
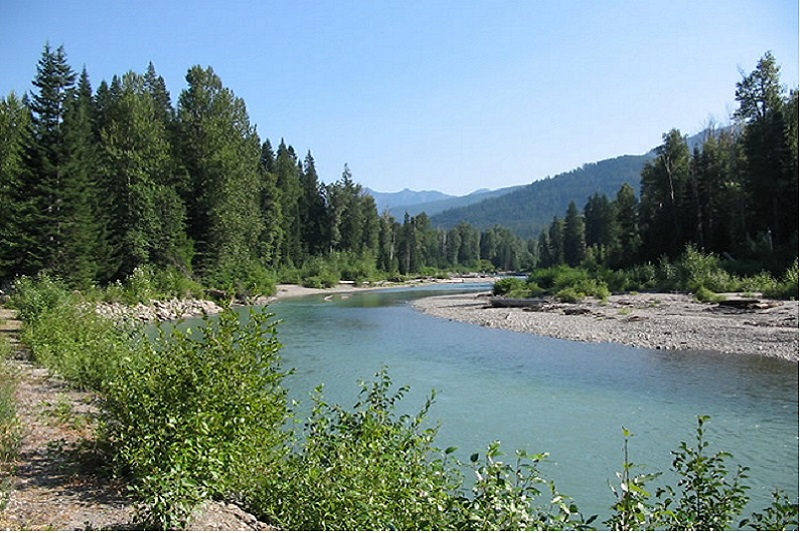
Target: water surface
540, 394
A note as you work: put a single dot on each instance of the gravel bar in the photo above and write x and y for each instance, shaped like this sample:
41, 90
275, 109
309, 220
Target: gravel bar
646, 320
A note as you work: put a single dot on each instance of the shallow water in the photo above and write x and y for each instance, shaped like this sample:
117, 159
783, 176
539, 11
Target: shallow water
569, 399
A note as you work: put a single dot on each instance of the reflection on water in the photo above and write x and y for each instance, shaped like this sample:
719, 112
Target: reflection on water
570, 399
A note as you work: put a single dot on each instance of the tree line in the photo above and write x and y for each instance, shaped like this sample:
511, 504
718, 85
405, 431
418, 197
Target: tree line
97, 183
734, 195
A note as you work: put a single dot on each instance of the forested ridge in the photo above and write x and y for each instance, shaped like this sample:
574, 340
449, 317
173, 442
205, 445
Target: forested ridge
97, 183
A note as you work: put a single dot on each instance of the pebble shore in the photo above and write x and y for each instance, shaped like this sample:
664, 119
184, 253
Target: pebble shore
645, 320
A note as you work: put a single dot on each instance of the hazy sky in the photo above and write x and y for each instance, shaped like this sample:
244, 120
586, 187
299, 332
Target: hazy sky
448, 95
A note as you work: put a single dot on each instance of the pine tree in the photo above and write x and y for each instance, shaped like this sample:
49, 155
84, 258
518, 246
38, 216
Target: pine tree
46, 155
312, 209
555, 241
771, 178
146, 216
626, 211
574, 236
15, 206
287, 174
271, 238
77, 259
664, 189
221, 153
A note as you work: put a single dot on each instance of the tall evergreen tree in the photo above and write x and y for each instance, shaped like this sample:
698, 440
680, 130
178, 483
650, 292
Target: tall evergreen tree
16, 210
626, 210
221, 152
77, 261
312, 209
771, 177
146, 216
287, 174
555, 240
45, 160
574, 236
664, 187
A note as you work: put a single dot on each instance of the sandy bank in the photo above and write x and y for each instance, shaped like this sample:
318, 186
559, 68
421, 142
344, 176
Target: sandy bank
657, 321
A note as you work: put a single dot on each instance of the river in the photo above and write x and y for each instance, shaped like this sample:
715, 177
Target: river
540, 394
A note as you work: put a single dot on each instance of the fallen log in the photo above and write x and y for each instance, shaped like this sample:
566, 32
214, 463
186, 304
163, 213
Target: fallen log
747, 303
518, 302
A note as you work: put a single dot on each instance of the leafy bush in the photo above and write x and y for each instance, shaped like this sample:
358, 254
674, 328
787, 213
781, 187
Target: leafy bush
368, 468
33, 296
706, 497
196, 416
10, 430
505, 286
788, 286
706, 296
65, 334
506, 497
569, 295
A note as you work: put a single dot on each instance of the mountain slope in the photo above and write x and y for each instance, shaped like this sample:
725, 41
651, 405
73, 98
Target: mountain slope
389, 200
437, 206
529, 209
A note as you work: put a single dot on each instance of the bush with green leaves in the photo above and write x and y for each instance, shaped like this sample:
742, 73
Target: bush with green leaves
505, 286
65, 334
506, 496
10, 429
365, 468
787, 287
708, 495
196, 415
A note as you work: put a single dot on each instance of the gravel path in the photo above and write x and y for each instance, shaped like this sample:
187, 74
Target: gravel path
656, 321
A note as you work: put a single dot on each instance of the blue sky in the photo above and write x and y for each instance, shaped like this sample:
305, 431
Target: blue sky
448, 95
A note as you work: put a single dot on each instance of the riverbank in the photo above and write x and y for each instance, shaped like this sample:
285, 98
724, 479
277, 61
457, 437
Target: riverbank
646, 320
176, 308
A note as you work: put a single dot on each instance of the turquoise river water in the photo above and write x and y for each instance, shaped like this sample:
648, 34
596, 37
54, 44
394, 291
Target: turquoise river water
540, 394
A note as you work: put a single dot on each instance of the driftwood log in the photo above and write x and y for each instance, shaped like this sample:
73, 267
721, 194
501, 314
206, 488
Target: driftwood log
747, 304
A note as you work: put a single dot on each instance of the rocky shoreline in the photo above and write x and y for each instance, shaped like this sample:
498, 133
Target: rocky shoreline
645, 320
157, 310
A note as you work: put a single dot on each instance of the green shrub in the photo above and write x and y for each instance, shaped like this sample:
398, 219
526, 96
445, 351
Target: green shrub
195, 416
787, 288
504, 286
10, 429
33, 296
697, 269
506, 497
706, 296
569, 295
365, 468
708, 497
65, 334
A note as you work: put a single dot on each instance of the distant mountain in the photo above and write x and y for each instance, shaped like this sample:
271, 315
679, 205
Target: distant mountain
530, 208
437, 206
389, 200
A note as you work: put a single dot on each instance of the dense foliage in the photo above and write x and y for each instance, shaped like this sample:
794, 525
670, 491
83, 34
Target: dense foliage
193, 415
95, 185
704, 275
734, 194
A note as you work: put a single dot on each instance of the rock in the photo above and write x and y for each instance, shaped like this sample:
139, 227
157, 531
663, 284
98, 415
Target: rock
217, 516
